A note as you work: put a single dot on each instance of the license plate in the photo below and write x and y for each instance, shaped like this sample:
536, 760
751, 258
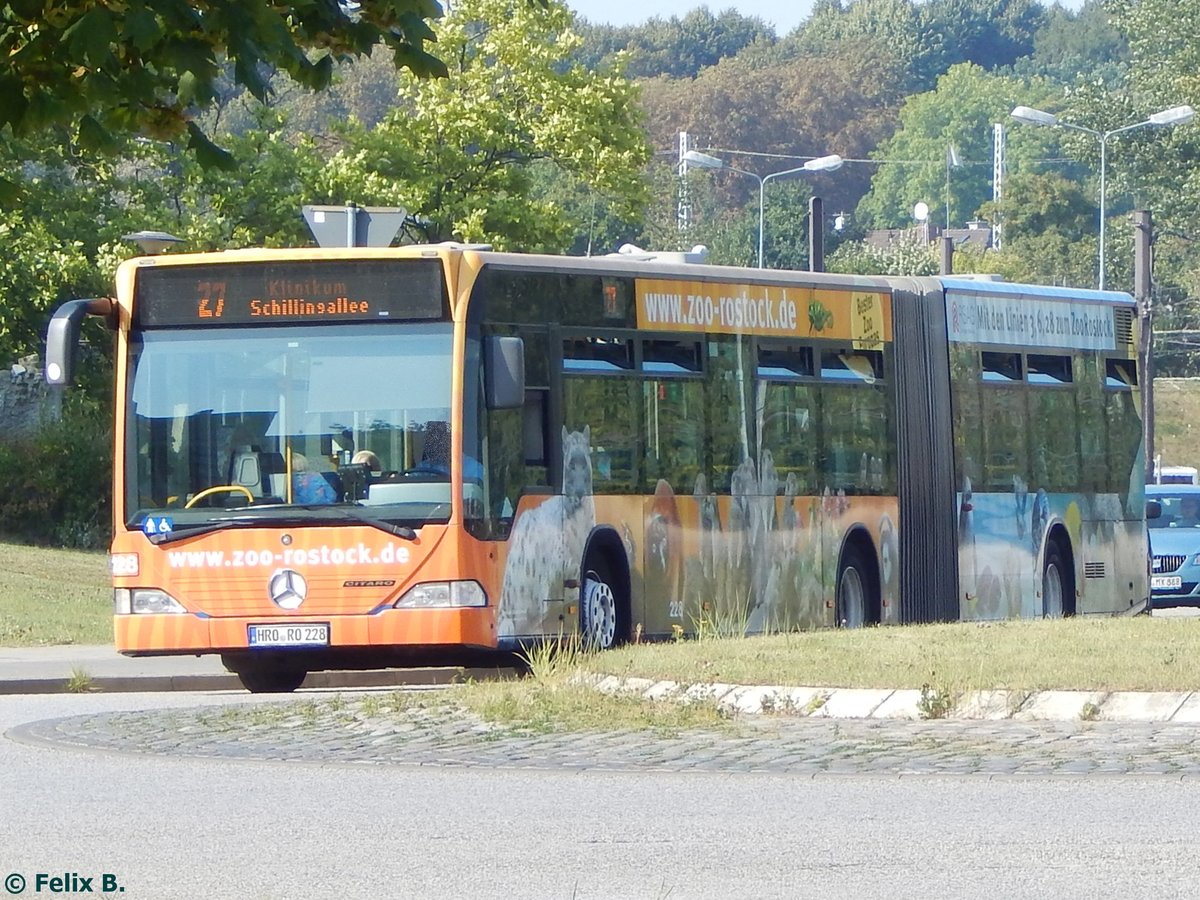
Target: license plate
301, 634
1165, 582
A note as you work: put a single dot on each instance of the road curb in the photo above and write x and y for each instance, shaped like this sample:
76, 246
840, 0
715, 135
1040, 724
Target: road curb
105, 684
1175, 707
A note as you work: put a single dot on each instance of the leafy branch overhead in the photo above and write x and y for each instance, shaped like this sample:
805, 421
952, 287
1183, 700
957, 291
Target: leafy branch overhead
147, 66
463, 154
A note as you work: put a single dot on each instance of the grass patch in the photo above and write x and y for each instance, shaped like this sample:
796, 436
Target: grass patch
554, 697
540, 707
80, 681
1110, 654
54, 597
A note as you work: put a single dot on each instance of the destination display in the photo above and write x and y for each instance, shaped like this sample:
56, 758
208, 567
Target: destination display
285, 293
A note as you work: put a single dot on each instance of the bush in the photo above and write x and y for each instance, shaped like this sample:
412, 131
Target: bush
56, 486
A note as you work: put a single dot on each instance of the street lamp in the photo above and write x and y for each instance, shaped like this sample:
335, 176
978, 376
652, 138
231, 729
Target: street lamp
1176, 115
820, 164
152, 242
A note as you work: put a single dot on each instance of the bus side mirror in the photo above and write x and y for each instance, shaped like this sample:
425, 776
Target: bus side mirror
62, 337
1153, 510
504, 372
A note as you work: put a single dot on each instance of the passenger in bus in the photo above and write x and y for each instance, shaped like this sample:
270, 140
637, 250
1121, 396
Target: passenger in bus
368, 459
309, 487
435, 453
1189, 512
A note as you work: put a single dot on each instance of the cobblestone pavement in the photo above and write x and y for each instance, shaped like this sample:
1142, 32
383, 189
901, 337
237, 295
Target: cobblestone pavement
346, 730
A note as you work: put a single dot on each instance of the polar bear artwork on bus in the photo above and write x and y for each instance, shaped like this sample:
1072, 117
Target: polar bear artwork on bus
547, 543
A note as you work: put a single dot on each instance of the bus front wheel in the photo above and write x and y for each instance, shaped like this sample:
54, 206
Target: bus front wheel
266, 677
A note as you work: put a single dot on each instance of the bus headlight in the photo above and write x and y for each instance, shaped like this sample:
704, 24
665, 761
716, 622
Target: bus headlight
144, 600
123, 564
443, 595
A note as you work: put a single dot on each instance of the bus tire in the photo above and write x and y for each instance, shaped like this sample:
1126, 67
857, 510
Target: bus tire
266, 677
1055, 582
853, 584
599, 608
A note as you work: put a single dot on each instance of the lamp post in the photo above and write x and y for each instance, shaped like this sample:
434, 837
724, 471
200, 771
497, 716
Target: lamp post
820, 164
1176, 115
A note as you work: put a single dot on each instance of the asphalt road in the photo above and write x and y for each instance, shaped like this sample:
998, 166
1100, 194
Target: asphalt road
183, 827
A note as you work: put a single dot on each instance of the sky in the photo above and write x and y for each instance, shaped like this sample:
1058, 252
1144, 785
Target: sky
783, 14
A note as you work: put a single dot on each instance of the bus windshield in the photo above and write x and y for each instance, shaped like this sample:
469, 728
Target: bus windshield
283, 423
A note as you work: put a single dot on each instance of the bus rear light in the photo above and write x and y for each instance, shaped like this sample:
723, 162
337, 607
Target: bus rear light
144, 600
443, 595
123, 564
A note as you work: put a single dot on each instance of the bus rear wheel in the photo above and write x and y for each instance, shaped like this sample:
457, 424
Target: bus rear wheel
1054, 582
266, 676
598, 612
851, 601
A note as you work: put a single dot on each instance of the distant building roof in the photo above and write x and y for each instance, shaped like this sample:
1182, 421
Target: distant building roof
976, 234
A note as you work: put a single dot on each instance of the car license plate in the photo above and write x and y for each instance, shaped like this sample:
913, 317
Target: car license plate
299, 634
1165, 582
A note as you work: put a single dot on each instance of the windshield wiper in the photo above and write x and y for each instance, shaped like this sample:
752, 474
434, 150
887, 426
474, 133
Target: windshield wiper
400, 531
181, 532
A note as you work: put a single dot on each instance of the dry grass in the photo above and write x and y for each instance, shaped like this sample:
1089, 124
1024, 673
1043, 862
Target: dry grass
1139, 653
1177, 420
53, 597
552, 698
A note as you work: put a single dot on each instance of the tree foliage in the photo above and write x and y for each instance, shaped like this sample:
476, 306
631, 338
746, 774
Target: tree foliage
1073, 47
783, 114
900, 25
897, 258
915, 164
676, 47
457, 152
141, 67
1161, 170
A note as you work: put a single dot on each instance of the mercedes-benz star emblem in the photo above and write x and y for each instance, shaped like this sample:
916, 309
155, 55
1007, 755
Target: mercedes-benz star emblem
287, 589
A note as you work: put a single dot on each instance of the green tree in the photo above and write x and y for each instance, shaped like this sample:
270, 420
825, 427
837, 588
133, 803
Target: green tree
989, 33
915, 164
105, 69
677, 47
1038, 204
902, 257
256, 204
1081, 46
1161, 170
457, 152
905, 28
766, 118
37, 271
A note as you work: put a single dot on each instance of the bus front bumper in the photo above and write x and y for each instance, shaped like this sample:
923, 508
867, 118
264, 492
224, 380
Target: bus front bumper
158, 634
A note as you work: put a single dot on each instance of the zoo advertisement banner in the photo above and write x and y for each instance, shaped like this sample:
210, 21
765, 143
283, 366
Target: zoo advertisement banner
1027, 322
862, 317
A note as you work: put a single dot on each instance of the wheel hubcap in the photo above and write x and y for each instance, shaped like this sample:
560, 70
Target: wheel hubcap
601, 610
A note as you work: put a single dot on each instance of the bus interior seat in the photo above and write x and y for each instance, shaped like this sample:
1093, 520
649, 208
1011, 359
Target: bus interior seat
246, 470
261, 473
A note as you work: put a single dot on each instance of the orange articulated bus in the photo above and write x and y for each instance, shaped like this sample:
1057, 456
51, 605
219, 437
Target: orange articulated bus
359, 457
